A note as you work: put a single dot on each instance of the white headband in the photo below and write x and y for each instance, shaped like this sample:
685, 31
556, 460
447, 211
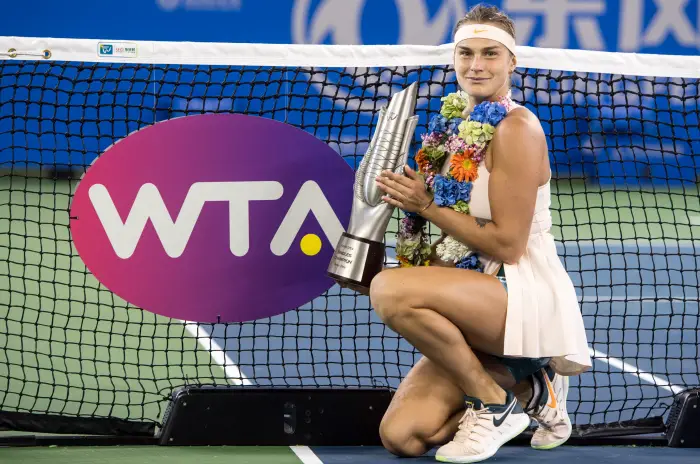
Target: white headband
485, 31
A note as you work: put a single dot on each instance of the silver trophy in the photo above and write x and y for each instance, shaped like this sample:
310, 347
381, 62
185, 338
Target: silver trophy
359, 254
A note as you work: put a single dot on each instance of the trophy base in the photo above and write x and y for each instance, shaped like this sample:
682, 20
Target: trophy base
356, 261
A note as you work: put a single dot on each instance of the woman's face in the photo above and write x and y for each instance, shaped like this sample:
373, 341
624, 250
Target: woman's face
483, 67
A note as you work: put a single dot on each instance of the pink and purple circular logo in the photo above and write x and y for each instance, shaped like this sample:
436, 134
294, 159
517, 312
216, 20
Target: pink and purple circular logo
214, 218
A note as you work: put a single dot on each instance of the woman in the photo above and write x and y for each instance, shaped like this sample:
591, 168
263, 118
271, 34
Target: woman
490, 305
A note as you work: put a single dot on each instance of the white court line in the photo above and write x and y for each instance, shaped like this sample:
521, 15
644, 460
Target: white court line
391, 242
629, 368
629, 241
634, 299
217, 353
305, 455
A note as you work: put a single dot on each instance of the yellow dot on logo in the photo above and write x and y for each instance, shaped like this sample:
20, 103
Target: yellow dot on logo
310, 244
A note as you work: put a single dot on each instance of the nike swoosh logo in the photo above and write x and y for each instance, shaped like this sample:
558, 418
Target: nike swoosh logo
479, 31
497, 421
552, 403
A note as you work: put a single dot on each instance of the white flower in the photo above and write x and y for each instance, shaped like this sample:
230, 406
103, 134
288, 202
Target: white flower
451, 250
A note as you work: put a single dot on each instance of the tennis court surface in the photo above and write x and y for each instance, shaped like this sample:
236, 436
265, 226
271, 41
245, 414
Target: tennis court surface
78, 361
331, 455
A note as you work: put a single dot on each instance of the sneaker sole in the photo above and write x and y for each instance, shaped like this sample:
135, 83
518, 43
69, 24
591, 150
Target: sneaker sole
483, 456
561, 441
552, 445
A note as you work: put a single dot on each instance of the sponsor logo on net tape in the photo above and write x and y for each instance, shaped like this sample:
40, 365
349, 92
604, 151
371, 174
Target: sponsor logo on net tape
117, 49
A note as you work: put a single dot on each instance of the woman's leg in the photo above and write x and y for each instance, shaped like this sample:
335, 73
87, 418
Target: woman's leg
450, 315
426, 408
447, 314
424, 411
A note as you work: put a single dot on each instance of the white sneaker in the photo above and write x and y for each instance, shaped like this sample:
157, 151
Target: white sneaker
554, 425
483, 430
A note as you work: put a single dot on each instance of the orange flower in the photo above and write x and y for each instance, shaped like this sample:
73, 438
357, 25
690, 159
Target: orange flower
463, 168
421, 160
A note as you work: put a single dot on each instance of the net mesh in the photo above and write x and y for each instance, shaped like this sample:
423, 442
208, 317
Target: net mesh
625, 205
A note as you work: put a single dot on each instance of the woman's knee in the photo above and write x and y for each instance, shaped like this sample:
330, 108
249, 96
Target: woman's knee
399, 439
386, 295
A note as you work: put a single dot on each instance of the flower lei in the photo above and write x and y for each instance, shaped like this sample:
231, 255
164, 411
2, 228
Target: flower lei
467, 141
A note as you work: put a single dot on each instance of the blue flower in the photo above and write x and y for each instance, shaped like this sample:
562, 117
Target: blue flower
464, 190
439, 190
438, 124
453, 125
495, 114
470, 262
449, 191
489, 113
445, 191
478, 113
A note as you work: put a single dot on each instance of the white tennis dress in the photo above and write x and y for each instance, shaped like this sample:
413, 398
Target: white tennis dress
544, 317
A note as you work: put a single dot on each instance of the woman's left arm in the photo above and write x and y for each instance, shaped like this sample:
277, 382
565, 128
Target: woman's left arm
518, 147
516, 171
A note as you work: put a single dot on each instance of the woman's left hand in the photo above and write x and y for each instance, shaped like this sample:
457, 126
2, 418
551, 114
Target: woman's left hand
406, 192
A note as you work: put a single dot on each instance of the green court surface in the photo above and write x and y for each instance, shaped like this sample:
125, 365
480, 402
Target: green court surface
151, 455
68, 345
582, 212
588, 212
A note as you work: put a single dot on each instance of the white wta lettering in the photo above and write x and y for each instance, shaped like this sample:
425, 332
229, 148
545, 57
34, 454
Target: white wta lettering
174, 235
310, 198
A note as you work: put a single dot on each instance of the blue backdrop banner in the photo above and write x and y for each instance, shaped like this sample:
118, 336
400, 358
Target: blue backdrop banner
68, 114
647, 26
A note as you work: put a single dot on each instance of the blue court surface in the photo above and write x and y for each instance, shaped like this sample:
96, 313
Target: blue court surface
518, 454
639, 300
330, 455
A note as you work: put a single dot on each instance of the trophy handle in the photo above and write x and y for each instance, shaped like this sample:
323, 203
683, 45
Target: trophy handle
411, 124
362, 168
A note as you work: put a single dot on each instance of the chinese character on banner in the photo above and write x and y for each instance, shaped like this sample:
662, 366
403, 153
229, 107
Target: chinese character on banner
664, 18
559, 17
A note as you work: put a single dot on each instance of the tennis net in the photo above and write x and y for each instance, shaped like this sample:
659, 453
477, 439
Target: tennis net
624, 138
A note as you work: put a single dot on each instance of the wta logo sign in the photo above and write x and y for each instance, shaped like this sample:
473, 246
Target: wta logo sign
217, 217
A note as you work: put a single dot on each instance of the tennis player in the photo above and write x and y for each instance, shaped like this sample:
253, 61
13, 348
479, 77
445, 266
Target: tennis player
499, 339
